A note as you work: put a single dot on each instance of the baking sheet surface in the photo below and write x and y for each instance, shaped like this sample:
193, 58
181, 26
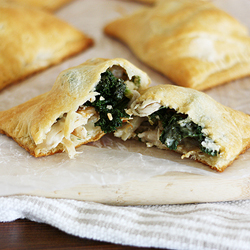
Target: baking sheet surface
109, 161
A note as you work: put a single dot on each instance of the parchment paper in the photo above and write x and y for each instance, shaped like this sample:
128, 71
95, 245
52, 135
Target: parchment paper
109, 161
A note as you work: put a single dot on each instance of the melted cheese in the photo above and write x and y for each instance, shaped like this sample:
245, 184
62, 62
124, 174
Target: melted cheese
209, 144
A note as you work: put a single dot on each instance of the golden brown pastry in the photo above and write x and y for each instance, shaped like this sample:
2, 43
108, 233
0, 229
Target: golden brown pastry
145, 1
85, 102
32, 40
191, 42
189, 122
50, 5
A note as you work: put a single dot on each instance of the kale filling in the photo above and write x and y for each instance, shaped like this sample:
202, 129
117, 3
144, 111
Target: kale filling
174, 130
111, 102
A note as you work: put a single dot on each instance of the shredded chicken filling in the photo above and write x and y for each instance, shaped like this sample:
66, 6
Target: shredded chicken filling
71, 128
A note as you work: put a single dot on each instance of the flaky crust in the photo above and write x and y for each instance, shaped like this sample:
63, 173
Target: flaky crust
230, 129
29, 43
145, 1
29, 122
44, 4
191, 42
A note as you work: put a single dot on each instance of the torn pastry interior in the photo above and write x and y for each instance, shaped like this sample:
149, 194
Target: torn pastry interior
188, 122
85, 102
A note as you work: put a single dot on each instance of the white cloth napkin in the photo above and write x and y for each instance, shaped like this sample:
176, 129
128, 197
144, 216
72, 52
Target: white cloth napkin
223, 225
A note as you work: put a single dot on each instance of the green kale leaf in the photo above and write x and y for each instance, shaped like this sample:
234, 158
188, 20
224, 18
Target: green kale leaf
174, 131
136, 80
111, 102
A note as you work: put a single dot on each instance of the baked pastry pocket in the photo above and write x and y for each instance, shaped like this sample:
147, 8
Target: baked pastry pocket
145, 1
44, 4
189, 122
32, 40
85, 102
192, 42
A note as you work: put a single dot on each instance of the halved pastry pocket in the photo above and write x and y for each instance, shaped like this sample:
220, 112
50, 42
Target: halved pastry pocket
189, 122
85, 103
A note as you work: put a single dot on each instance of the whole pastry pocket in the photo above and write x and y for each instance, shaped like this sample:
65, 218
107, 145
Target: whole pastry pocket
189, 122
192, 42
145, 1
85, 102
32, 40
44, 4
